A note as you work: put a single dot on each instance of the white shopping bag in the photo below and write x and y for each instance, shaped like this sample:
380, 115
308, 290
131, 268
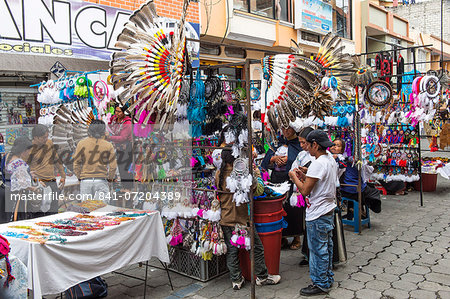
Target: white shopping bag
46, 199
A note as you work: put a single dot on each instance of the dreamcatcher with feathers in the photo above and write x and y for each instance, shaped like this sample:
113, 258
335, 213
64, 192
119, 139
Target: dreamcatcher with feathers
294, 86
150, 65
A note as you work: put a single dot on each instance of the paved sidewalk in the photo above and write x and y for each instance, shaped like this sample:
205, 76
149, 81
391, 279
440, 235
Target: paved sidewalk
405, 254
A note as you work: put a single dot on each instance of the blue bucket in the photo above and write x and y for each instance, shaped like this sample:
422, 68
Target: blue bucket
271, 226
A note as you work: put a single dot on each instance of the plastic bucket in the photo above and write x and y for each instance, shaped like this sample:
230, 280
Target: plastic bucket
270, 217
270, 226
266, 206
429, 181
272, 250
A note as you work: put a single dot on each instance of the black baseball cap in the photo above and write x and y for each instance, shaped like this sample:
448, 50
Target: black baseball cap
320, 137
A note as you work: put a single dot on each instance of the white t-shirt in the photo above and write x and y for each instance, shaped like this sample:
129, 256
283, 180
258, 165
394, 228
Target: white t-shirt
302, 159
322, 196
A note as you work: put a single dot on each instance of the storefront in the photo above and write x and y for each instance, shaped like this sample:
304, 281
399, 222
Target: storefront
47, 40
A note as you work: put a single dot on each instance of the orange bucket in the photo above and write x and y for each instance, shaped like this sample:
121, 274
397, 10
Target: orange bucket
269, 217
272, 250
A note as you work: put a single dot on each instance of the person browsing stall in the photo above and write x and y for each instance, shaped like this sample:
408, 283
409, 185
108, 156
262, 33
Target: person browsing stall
19, 181
319, 184
280, 161
232, 215
95, 161
120, 129
45, 163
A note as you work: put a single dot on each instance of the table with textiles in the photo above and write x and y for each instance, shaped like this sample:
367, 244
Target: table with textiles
68, 259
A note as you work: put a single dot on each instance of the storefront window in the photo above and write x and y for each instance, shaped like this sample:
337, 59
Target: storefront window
342, 18
274, 9
235, 52
263, 8
284, 10
209, 49
241, 5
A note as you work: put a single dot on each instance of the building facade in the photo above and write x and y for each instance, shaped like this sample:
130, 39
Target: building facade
41, 36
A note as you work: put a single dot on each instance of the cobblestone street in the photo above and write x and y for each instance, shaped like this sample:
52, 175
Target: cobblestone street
405, 254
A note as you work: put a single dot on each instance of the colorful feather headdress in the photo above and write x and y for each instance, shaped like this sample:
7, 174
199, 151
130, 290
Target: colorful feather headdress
295, 87
151, 64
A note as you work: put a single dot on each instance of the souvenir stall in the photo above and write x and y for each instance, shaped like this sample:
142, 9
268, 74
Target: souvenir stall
183, 162
392, 116
67, 106
178, 115
18, 113
74, 237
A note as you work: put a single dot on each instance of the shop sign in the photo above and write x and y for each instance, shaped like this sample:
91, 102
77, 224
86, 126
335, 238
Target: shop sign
314, 15
75, 29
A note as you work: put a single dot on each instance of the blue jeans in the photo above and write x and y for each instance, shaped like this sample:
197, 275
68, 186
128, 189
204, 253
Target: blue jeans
320, 243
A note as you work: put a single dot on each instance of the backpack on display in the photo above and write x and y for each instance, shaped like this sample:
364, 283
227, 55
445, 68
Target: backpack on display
90, 289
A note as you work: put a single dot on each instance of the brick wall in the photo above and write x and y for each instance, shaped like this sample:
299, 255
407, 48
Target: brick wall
165, 8
426, 16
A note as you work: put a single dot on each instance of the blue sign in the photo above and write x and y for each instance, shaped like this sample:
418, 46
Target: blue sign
316, 16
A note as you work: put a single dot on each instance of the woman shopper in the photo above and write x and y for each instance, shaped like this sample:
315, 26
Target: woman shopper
319, 184
349, 179
302, 161
19, 181
280, 161
232, 215
120, 129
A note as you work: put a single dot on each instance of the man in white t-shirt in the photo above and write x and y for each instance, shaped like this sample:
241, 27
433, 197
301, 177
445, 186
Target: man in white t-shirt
319, 184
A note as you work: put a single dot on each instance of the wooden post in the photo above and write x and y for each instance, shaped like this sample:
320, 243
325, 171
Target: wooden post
250, 168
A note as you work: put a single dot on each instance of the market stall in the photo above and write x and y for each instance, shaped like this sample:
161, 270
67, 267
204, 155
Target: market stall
62, 250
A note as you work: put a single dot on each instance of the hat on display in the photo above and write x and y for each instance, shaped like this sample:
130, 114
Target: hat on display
320, 137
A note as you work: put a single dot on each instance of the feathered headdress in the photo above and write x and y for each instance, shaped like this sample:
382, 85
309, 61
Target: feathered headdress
294, 83
151, 64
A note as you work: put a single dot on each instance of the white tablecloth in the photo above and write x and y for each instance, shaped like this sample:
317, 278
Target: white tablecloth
54, 267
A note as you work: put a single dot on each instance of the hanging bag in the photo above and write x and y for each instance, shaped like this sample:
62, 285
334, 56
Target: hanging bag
90, 289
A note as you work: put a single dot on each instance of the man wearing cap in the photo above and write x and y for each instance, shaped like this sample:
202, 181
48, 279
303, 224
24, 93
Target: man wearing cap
319, 184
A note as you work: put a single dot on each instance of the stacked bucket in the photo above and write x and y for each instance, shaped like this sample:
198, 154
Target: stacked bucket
269, 224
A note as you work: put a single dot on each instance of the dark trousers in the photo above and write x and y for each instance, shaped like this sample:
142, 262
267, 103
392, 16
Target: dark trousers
124, 160
233, 256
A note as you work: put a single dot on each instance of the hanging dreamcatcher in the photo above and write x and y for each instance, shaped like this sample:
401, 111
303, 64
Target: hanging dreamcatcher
292, 87
151, 64
240, 181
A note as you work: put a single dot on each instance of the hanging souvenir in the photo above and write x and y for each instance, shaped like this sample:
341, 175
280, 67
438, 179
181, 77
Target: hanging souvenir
400, 71
4, 253
240, 237
175, 237
152, 62
378, 94
240, 181
213, 214
196, 112
291, 84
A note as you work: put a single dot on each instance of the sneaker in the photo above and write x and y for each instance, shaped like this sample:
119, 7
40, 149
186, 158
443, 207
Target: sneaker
238, 285
270, 280
312, 290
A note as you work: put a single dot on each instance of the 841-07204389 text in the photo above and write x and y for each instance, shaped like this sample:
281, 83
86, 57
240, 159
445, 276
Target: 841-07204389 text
143, 196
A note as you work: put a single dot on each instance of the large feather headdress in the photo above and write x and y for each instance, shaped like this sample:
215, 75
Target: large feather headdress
295, 87
151, 64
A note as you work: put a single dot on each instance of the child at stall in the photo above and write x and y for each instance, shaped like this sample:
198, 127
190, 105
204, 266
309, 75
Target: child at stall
232, 215
349, 176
